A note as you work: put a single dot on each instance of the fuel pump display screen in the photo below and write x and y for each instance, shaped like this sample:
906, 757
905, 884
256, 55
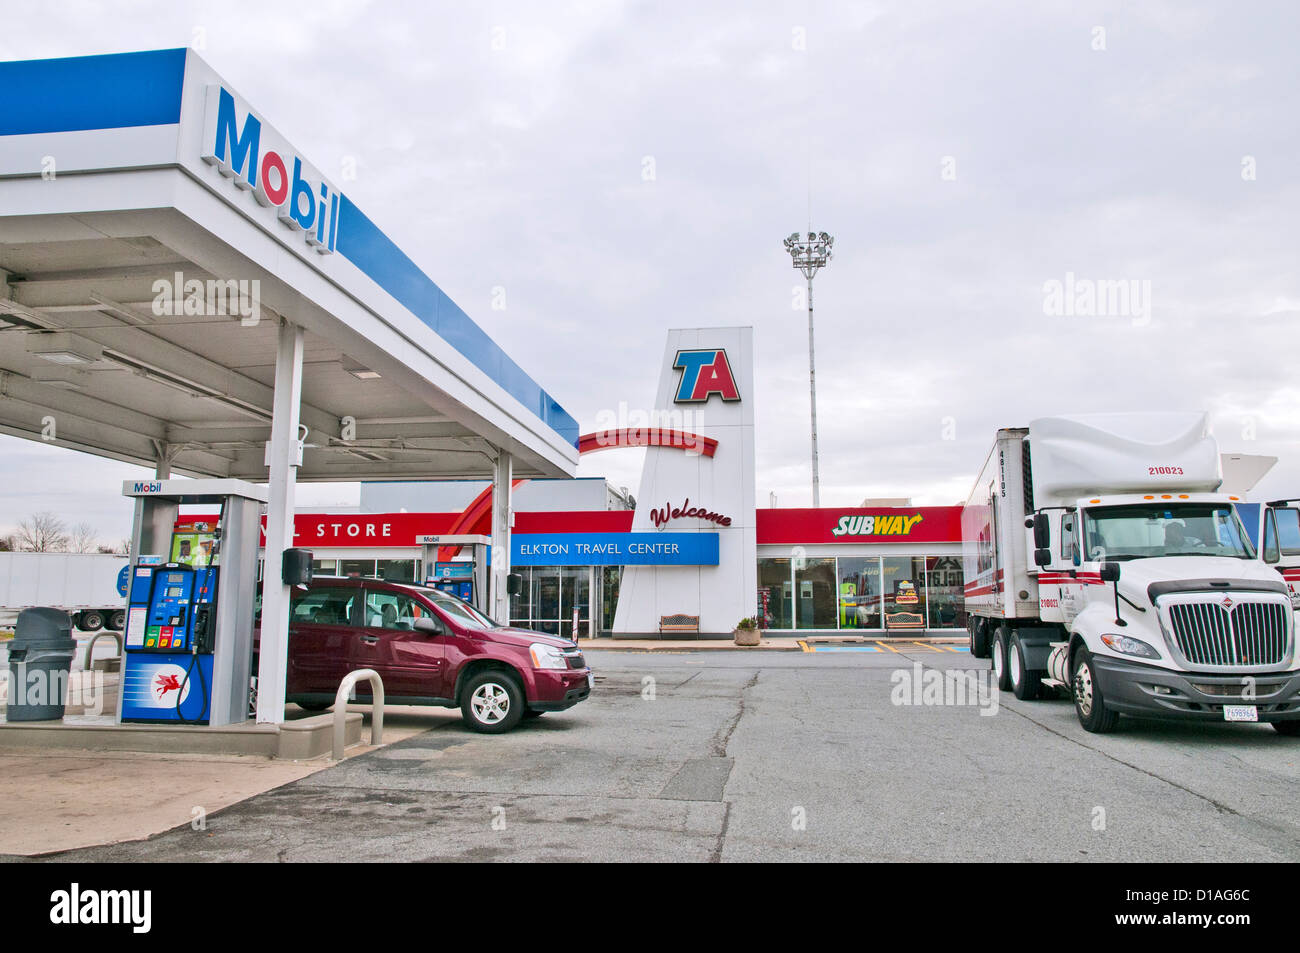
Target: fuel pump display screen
168, 625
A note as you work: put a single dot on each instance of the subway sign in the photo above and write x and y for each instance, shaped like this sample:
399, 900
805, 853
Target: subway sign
258, 160
892, 524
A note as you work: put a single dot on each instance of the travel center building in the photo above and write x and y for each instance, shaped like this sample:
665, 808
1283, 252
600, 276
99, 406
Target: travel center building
694, 545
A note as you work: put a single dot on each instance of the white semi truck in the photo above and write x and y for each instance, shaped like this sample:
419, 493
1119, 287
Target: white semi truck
1102, 558
83, 584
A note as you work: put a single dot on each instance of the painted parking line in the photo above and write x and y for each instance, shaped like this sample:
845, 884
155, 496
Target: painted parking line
878, 646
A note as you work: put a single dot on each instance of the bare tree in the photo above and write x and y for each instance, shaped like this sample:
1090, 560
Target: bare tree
7, 544
42, 533
82, 538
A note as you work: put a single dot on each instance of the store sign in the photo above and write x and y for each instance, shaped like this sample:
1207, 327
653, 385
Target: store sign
669, 512
614, 549
257, 159
704, 373
893, 524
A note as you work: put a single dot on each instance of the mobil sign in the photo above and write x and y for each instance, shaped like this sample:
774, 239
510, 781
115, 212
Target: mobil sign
258, 160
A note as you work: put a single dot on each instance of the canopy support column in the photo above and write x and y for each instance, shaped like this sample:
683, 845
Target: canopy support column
284, 455
502, 480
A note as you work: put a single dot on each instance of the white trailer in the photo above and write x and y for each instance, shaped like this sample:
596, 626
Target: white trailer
83, 584
1103, 558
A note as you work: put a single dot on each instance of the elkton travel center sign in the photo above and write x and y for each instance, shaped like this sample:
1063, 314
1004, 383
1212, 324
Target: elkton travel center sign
615, 549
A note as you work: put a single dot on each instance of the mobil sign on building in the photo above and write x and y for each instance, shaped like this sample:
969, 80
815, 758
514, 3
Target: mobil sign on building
707, 381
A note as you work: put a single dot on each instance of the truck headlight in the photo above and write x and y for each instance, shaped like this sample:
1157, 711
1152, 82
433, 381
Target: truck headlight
1126, 645
547, 656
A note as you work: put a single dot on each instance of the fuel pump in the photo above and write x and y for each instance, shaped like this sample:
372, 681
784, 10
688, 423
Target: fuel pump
188, 647
466, 579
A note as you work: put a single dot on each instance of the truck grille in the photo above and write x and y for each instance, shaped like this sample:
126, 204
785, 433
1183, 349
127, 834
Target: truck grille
1241, 634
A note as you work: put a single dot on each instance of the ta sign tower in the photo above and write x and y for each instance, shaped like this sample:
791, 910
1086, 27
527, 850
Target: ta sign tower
706, 387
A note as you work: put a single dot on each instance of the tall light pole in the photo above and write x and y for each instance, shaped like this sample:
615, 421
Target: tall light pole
809, 255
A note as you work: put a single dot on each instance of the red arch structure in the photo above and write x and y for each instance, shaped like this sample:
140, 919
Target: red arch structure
477, 517
647, 437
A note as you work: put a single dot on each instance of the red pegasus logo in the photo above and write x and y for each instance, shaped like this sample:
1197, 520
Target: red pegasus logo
166, 683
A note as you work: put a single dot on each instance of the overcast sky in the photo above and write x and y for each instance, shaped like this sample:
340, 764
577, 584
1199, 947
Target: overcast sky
620, 169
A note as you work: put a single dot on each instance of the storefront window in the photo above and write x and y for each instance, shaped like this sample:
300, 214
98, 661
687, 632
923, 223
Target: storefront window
904, 588
860, 592
776, 588
521, 604
324, 567
947, 600
397, 570
357, 567
817, 594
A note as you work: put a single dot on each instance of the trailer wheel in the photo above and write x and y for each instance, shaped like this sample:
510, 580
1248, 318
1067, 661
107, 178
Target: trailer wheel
979, 639
1000, 659
117, 620
1088, 703
92, 620
1024, 683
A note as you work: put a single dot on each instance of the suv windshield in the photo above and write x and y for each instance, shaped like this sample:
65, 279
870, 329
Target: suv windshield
1179, 529
462, 612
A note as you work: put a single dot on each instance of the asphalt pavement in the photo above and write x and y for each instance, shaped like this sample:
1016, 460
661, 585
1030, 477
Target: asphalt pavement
729, 756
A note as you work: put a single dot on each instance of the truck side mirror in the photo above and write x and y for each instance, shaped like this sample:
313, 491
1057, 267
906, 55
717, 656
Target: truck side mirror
1110, 572
1042, 531
1042, 556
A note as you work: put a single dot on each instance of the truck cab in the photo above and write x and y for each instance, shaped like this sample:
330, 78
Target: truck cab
1147, 596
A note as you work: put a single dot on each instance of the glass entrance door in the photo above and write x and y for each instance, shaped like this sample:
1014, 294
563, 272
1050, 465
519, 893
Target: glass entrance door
550, 594
860, 593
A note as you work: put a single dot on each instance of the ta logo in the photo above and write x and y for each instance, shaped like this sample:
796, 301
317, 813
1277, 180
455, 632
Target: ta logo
704, 373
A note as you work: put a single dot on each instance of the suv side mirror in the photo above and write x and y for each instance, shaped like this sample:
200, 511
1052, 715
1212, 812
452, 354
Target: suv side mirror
1110, 572
429, 626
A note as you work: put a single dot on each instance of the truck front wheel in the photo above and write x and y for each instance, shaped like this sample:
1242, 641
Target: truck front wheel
1000, 659
1023, 682
1088, 703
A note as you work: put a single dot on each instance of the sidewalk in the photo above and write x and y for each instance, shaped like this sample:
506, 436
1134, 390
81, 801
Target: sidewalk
58, 799
783, 644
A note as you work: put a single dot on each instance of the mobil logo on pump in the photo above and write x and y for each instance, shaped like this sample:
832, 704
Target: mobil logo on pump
249, 152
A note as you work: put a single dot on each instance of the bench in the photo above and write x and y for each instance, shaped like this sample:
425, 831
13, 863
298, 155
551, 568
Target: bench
679, 623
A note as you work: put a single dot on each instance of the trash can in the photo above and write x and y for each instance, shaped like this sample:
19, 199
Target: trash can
40, 661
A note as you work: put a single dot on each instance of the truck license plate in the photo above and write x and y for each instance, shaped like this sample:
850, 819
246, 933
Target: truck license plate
1240, 713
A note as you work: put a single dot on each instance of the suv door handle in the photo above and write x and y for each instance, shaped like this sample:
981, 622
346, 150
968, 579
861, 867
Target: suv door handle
370, 639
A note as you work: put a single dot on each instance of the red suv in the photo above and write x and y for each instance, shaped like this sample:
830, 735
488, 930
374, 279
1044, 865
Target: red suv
430, 648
